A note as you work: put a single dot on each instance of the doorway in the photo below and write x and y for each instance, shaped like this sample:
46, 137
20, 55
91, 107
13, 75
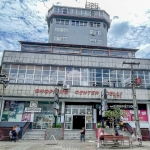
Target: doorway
78, 121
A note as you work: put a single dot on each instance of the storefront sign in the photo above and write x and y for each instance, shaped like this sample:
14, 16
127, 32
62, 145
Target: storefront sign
123, 106
33, 103
129, 115
115, 94
32, 109
80, 92
50, 91
86, 92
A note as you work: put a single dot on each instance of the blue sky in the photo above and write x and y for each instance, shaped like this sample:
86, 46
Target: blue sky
24, 20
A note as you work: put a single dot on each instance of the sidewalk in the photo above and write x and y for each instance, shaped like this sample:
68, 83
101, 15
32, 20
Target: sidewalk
62, 145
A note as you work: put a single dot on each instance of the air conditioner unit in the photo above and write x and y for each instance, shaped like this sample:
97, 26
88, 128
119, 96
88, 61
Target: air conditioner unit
66, 87
60, 83
93, 34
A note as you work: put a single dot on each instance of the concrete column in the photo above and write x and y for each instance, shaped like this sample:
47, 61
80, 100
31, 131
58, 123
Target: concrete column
62, 118
94, 118
148, 113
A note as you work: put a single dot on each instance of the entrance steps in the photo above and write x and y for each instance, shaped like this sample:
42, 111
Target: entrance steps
35, 134
75, 135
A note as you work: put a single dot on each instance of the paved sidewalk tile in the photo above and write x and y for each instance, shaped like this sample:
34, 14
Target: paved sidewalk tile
62, 145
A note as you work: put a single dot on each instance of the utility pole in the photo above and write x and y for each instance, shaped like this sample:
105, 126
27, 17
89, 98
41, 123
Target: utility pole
56, 105
103, 106
133, 83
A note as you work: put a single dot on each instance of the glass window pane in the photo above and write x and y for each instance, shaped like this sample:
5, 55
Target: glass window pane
38, 71
14, 70
30, 67
38, 67
6, 66
29, 76
46, 68
30, 71
5, 71
20, 81
14, 66
45, 77
37, 77
45, 82
21, 76
22, 67
28, 81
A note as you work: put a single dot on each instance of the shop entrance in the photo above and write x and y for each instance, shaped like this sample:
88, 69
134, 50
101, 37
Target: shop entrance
78, 121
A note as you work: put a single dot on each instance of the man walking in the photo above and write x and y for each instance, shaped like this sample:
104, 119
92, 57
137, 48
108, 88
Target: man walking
82, 134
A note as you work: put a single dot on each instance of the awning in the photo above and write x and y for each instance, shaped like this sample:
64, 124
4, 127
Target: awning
142, 124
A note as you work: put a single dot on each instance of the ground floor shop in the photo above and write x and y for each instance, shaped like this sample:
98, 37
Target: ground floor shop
71, 115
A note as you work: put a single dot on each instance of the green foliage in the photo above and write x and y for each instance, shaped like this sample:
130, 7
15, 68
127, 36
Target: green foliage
116, 113
57, 126
99, 126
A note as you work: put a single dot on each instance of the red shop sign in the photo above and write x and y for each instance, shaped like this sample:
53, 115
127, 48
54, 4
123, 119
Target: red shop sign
115, 94
50, 91
86, 92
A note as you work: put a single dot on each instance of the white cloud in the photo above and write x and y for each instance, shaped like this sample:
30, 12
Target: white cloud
25, 20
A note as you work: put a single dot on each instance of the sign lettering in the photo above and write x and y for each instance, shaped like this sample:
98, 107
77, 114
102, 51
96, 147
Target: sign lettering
80, 92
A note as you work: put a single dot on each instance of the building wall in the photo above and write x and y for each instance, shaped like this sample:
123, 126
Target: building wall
72, 60
75, 93
78, 34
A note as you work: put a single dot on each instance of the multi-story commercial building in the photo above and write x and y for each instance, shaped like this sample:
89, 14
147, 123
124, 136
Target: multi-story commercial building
80, 71
84, 26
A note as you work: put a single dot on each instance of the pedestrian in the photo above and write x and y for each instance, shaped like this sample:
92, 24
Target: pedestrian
18, 130
14, 133
116, 133
10, 136
82, 134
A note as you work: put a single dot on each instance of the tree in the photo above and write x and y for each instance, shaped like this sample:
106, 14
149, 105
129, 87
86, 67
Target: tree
114, 114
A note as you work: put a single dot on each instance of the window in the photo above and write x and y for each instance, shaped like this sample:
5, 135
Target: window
61, 29
58, 38
57, 21
62, 21
95, 32
93, 40
104, 25
64, 10
73, 23
78, 23
94, 24
99, 41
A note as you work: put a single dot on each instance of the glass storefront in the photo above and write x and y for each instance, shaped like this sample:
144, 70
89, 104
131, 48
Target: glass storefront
45, 118
78, 116
14, 112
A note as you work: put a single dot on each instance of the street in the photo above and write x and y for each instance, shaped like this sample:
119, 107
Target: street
62, 145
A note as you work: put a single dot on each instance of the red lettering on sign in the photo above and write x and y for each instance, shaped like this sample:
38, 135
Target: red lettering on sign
61, 91
51, 91
92, 92
46, 91
66, 92
96, 92
37, 91
89, 92
42, 91
84, 92
76, 92
81, 92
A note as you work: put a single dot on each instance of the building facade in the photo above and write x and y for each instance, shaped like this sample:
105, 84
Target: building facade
76, 56
69, 25
34, 75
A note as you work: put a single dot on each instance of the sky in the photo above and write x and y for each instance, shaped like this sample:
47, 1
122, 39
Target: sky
24, 20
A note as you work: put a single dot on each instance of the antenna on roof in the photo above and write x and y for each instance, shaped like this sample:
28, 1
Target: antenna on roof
90, 5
